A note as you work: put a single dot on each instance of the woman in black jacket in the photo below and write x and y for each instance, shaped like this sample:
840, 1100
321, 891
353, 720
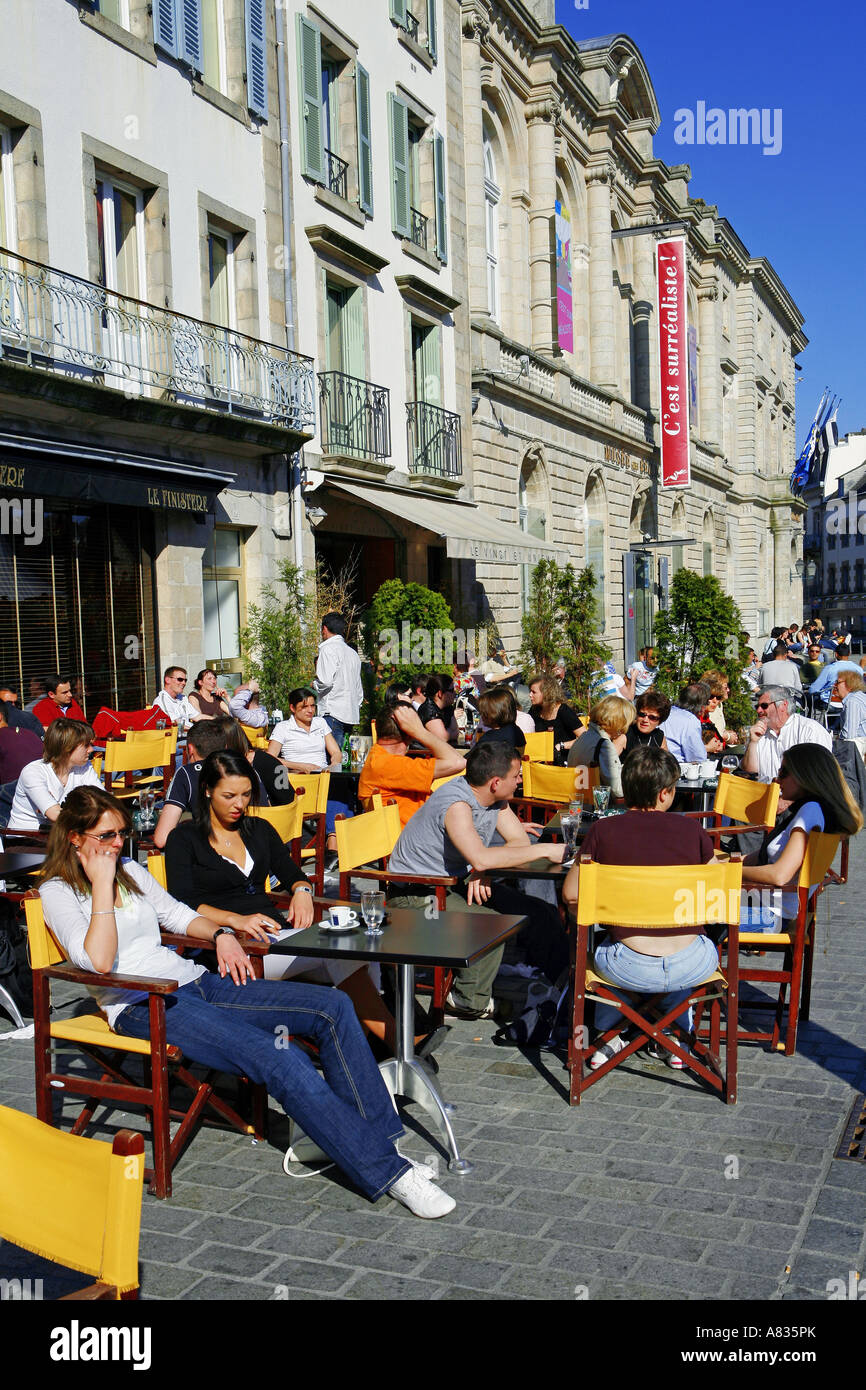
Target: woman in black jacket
219, 864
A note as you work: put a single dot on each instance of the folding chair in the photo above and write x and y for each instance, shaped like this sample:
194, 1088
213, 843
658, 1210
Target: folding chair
440, 781
656, 899
797, 946
539, 747
145, 737
551, 788
254, 949
363, 841
74, 1201
256, 736
131, 757
91, 1034
316, 785
740, 799
288, 821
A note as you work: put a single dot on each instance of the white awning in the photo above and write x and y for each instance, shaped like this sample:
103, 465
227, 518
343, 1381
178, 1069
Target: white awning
469, 532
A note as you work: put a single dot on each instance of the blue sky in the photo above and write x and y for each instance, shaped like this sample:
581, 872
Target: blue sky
804, 208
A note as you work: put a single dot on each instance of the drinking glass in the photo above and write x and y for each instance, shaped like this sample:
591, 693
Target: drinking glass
601, 799
373, 912
570, 826
575, 808
730, 763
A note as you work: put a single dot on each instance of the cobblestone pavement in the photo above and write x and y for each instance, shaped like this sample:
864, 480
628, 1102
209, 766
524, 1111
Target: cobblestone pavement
651, 1188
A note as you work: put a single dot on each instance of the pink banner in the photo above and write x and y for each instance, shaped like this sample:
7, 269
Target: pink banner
673, 362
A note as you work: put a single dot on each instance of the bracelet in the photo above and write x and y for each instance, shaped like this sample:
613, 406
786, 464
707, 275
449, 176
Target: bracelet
303, 888
106, 912
220, 931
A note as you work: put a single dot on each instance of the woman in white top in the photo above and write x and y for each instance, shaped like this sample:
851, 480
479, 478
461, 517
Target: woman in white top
107, 912
304, 743
44, 785
817, 798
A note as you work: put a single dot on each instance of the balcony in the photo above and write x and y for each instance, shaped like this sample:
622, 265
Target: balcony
433, 438
74, 328
413, 26
337, 171
355, 416
418, 228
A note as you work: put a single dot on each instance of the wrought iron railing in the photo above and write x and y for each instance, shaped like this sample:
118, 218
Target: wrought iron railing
72, 327
355, 416
433, 437
418, 228
412, 25
337, 171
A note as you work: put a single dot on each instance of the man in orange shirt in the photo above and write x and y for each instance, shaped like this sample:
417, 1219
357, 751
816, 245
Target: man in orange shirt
388, 770
58, 703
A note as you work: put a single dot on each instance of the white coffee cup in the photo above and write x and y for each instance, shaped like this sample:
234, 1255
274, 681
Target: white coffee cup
342, 916
691, 771
708, 768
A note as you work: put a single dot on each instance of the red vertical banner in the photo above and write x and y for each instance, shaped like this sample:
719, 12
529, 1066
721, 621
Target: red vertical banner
673, 362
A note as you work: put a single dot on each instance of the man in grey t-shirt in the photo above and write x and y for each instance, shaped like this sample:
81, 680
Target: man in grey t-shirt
450, 836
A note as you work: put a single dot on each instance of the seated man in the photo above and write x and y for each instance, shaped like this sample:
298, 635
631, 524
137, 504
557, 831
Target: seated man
823, 684
388, 770
778, 728
682, 728
451, 835
244, 705
18, 718
648, 963
849, 688
172, 698
18, 747
206, 736
58, 703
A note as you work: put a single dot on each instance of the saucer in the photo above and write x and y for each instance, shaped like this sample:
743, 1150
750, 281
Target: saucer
335, 930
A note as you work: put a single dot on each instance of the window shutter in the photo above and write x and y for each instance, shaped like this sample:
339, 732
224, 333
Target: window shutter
365, 152
310, 94
431, 29
398, 126
430, 366
354, 357
398, 12
257, 58
439, 192
165, 31
189, 26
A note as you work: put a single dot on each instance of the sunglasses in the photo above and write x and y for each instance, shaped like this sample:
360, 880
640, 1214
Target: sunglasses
106, 837
645, 714
763, 707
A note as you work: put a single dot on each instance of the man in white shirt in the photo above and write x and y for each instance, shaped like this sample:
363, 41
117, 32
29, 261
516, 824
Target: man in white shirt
778, 728
338, 678
172, 699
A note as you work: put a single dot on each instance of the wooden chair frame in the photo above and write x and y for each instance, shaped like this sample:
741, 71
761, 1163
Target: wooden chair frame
316, 785
647, 887
549, 789
127, 758
115, 1084
740, 799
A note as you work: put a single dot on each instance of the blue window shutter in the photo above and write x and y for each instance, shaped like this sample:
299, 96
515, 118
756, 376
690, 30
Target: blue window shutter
189, 26
439, 193
309, 45
257, 58
165, 27
365, 155
431, 29
398, 125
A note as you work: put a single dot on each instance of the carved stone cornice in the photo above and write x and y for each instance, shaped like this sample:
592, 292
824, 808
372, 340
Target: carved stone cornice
604, 172
547, 108
475, 23
708, 293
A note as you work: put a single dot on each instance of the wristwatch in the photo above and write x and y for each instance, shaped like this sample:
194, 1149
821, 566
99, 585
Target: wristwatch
303, 888
220, 931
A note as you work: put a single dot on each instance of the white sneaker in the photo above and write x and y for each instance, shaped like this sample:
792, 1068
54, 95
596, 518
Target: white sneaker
604, 1054
422, 1197
303, 1150
457, 1010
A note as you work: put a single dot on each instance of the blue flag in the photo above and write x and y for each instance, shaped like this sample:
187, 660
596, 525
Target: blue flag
800, 476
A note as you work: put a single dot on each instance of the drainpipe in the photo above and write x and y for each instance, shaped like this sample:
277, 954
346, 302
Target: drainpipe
294, 460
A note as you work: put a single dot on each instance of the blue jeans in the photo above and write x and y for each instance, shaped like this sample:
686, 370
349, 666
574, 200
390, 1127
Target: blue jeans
672, 976
245, 1028
338, 728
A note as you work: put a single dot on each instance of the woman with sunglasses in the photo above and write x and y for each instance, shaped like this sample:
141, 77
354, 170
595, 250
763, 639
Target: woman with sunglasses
651, 710
817, 798
107, 912
43, 785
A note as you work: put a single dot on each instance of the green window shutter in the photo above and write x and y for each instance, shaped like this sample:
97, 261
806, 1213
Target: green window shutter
165, 33
354, 358
439, 192
430, 366
257, 58
365, 151
431, 29
398, 12
398, 127
309, 41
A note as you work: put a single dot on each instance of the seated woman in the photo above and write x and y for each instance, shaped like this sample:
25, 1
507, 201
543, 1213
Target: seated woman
651, 710
817, 798
498, 710
648, 962
208, 700
549, 711
219, 863
602, 742
107, 912
43, 786
437, 710
304, 743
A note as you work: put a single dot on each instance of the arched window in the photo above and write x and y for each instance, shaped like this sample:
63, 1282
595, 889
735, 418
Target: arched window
492, 194
708, 543
533, 509
594, 521
678, 528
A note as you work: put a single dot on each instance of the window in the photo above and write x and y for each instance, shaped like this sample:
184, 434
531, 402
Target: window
213, 43
831, 580
120, 228
222, 587
858, 576
594, 513
344, 340
708, 544
221, 276
426, 365
194, 32
335, 119
118, 10
417, 18
8, 238
418, 179
844, 584
492, 194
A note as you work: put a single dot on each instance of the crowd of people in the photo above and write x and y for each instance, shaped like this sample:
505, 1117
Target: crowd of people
107, 911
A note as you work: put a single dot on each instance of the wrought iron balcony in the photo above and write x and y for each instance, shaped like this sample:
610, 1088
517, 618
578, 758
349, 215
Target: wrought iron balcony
418, 228
62, 324
337, 170
412, 25
433, 437
355, 416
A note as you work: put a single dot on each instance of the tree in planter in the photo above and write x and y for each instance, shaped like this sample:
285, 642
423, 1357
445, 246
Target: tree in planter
702, 630
409, 628
582, 648
280, 641
541, 623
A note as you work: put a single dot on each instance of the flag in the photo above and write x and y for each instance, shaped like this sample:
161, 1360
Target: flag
829, 440
800, 476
